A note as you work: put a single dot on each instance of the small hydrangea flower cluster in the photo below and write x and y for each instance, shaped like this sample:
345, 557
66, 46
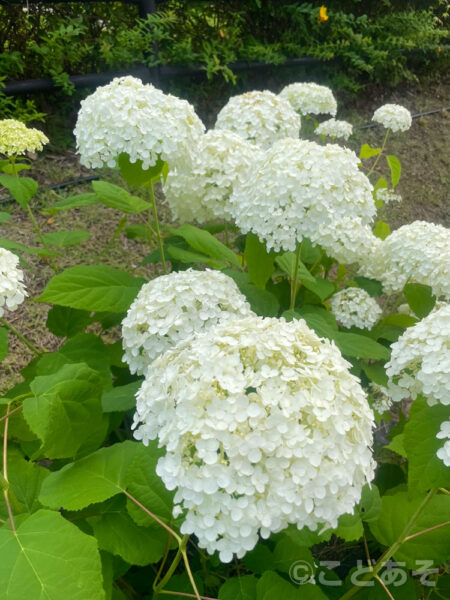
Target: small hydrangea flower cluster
335, 129
12, 289
444, 452
299, 187
310, 98
173, 307
393, 116
129, 117
260, 117
381, 402
16, 138
386, 195
420, 360
201, 193
354, 307
263, 426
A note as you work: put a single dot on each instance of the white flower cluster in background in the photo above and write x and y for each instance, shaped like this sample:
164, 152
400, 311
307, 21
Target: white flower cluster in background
12, 289
260, 117
386, 195
17, 139
310, 98
420, 360
129, 117
299, 187
335, 129
201, 193
416, 253
354, 307
444, 434
263, 426
393, 117
348, 240
172, 308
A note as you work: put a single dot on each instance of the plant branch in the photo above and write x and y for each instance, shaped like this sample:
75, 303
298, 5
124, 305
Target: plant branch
372, 168
294, 278
153, 516
21, 337
151, 195
11, 412
188, 568
185, 595
415, 535
383, 585
5, 473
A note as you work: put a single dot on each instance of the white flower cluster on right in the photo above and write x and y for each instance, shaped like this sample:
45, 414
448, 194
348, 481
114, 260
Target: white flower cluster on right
171, 308
263, 426
298, 188
17, 139
393, 116
259, 117
444, 434
348, 240
335, 129
12, 289
354, 307
202, 192
129, 117
310, 98
420, 360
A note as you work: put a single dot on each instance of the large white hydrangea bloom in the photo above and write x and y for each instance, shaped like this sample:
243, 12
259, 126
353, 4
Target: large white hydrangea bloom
260, 117
393, 116
173, 307
298, 188
416, 253
420, 360
348, 240
444, 434
335, 129
354, 307
263, 426
12, 289
17, 139
140, 120
201, 193
310, 98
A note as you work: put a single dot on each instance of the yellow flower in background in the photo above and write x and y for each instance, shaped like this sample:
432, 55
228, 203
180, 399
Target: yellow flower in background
322, 14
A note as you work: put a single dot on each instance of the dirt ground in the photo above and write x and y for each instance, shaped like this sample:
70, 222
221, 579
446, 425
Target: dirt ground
424, 152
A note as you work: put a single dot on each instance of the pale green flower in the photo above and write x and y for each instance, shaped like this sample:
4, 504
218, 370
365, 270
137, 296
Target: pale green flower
16, 138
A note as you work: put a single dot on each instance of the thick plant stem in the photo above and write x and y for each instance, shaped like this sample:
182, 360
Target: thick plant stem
5, 473
295, 278
393, 549
151, 195
21, 337
383, 146
188, 567
157, 589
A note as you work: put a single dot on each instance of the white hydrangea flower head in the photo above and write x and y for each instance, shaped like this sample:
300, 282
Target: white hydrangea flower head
171, 308
348, 240
259, 117
17, 139
335, 129
416, 253
298, 188
420, 360
393, 116
12, 289
444, 452
202, 193
310, 98
381, 402
386, 195
354, 307
263, 426
140, 120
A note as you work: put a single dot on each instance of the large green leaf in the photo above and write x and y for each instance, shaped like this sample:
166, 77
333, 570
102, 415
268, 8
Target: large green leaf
273, 587
134, 174
287, 261
66, 238
396, 169
369, 506
204, 242
239, 588
372, 286
3, 343
287, 552
121, 398
116, 197
189, 257
321, 287
67, 322
48, 558
22, 189
25, 479
349, 527
260, 263
11, 245
262, 302
420, 298
72, 202
92, 288
360, 346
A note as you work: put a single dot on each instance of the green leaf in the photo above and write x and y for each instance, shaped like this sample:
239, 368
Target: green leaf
315, 321
381, 183
25, 479
381, 230
397, 445
92, 479
310, 253
369, 506
72, 202
396, 169
66, 238
287, 552
376, 372
397, 510
65, 409
116, 197
321, 287
239, 588
259, 559
349, 527
4, 217
11, 245
204, 242
3, 343
273, 587
367, 151
360, 346
137, 231
93, 288
425, 469
373, 287
189, 257
399, 320
22, 189
134, 174
49, 558
286, 262
66, 322
260, 263
121, 398
7, 167
262, 302
420, 298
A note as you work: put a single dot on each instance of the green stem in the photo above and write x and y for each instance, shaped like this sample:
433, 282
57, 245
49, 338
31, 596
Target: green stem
170, 571
5, 472
383, 145
188, 567
294, 278
21, 337
151, 195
